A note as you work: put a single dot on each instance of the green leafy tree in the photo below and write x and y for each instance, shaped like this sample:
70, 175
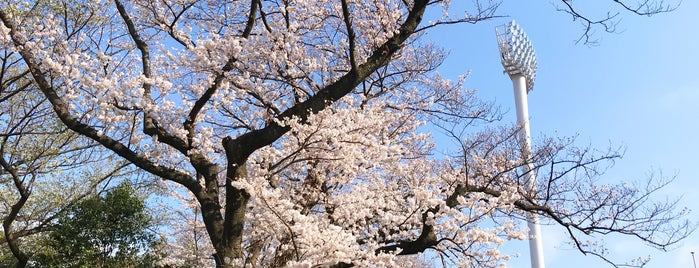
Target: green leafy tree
107, 230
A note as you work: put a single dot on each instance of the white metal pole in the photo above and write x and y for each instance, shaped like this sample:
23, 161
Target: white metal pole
536, 251
518, 59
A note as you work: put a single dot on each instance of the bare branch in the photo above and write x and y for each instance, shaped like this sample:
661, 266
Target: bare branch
610, 21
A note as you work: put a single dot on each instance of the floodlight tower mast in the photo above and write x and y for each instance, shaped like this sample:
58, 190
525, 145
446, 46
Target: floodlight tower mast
519, 61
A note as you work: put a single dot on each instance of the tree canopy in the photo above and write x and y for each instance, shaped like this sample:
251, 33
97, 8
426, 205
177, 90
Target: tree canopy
107, 230
297, 128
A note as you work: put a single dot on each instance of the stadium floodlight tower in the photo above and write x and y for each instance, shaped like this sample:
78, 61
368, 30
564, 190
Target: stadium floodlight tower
519, 61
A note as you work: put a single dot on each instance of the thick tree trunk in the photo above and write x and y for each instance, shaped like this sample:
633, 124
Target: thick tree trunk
230, 248
211, 215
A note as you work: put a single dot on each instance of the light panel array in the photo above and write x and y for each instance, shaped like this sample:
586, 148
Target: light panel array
517, 54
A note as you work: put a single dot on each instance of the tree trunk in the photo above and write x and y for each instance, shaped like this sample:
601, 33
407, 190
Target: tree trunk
11, 240
230, 249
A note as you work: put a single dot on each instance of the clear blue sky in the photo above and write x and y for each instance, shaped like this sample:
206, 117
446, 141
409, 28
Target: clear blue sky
639, 88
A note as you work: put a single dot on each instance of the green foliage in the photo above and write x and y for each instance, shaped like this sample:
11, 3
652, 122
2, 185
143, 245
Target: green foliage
110, 230
6, 257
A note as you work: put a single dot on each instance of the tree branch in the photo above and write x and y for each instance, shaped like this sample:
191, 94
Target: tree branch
609, 21
61, 109
24, 192
240, 148
350, 35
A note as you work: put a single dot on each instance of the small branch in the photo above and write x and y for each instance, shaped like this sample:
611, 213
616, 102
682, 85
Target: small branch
172, 26
350, 35
251, 18
292, 235
609, 21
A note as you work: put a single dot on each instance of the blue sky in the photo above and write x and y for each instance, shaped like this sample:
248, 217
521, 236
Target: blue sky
638, 88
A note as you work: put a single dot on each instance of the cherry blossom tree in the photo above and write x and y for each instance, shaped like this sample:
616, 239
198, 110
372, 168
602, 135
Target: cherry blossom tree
44, 167
299, 129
